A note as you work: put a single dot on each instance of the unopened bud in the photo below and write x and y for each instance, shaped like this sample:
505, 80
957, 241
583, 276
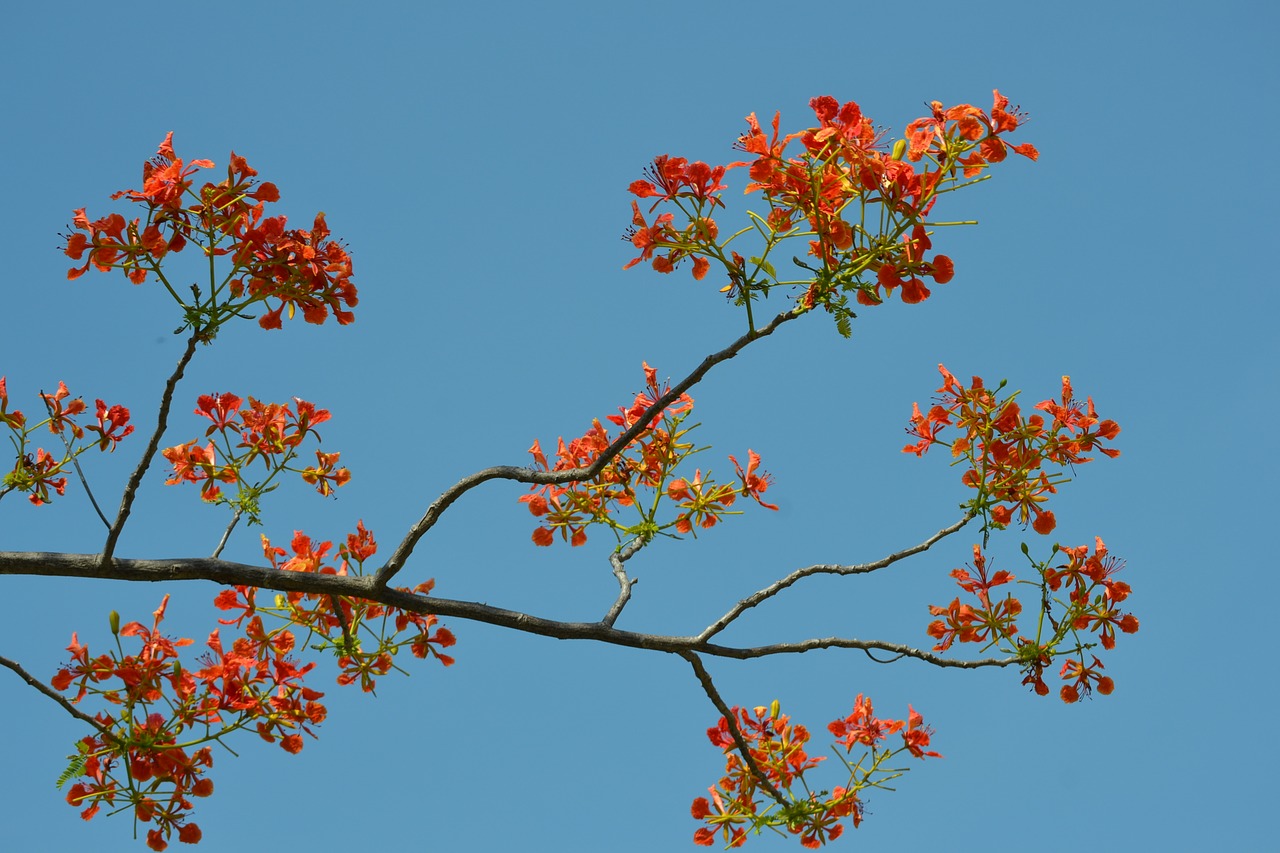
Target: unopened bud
113, 619
899, 149
774, 709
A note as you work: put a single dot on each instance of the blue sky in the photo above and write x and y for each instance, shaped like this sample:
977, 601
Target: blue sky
476, 160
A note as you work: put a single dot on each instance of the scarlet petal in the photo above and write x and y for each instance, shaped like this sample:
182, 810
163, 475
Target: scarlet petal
1028, 150
642, 189
271, 320
1044, 522
914, 291
943, 269
700, 268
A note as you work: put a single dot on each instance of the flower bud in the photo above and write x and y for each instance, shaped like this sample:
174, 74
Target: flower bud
774, 709
899, 149
113, 619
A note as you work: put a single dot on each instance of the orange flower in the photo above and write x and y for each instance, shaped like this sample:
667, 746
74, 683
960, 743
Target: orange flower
164, 179
322, 474
675, 177
60, 416
916, 735
109, 421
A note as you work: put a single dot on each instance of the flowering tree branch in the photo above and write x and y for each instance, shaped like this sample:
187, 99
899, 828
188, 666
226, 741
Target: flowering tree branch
864, 214
528, 475
234, 574
735, 731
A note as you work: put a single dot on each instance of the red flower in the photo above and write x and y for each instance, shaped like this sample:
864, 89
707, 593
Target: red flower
648, 238
322, 474
753, 484
110, 420
164, 179
60, 417
862, 727
37, 475
14, 419
674, 177
219, 408
916, 736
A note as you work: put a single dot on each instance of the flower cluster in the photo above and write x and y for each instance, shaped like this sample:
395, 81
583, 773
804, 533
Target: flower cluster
862, 205
741, 801
989, 621
271, 263
269, 432
1090, 607
355, 629
648, 462
37, 473
151, 754
1006, 454
1005, 451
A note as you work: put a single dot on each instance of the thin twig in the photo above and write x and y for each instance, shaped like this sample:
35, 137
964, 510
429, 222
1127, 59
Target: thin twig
778, 586
76, 464
226, 534
348, 645
529, 475
52, 694
616, 559
709, 688
135, 479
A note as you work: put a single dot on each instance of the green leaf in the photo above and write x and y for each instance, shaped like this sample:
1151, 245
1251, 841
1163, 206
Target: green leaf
76, 767
766, 266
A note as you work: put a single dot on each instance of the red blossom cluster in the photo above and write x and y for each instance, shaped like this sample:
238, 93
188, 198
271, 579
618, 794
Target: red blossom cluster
341, 622
270, 432
1090, 607
1006, 451
973, 125
649, 462
740, 801
39, 472
298, 268
968, 624
152, 754
863, 208
842, 179
1006, 454
142, 756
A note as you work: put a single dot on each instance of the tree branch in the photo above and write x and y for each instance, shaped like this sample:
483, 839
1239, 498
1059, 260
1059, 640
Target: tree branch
529, 475
616, 559
725, 711
366, 587
52, 694
135, 479
862, 568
